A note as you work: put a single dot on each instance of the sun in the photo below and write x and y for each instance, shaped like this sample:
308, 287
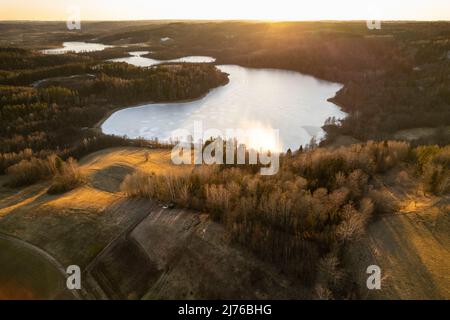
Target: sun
261, 138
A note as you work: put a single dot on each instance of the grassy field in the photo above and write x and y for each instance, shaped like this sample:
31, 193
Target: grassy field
76, 227
26, 273
79, 220
411, 245
396, 87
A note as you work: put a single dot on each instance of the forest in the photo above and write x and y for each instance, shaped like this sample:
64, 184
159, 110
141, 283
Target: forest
394, 78
303, 218
38, 118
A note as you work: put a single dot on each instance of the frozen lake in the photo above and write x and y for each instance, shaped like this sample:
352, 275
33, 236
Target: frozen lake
259, 100
136, 58
77, 47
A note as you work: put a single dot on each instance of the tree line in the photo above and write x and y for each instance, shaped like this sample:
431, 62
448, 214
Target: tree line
302, 218
44, 108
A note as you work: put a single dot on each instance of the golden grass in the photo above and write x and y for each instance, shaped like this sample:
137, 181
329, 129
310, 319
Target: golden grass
87, 196
22, 201
159, 161
411, 245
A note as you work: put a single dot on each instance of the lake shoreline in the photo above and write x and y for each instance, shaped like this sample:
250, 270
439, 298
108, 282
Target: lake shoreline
98, 125
303, 133
302, 103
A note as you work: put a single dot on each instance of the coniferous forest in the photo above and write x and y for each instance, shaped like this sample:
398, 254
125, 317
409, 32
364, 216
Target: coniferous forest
388, 160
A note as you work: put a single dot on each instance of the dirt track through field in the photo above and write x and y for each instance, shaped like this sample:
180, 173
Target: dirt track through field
133, 248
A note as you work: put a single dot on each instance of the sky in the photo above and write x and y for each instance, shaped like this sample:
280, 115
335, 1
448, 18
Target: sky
226, 9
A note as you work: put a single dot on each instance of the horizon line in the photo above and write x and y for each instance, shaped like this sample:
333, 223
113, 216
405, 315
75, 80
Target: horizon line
228, 20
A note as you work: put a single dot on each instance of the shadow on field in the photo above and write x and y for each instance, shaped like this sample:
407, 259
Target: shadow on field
110, 178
